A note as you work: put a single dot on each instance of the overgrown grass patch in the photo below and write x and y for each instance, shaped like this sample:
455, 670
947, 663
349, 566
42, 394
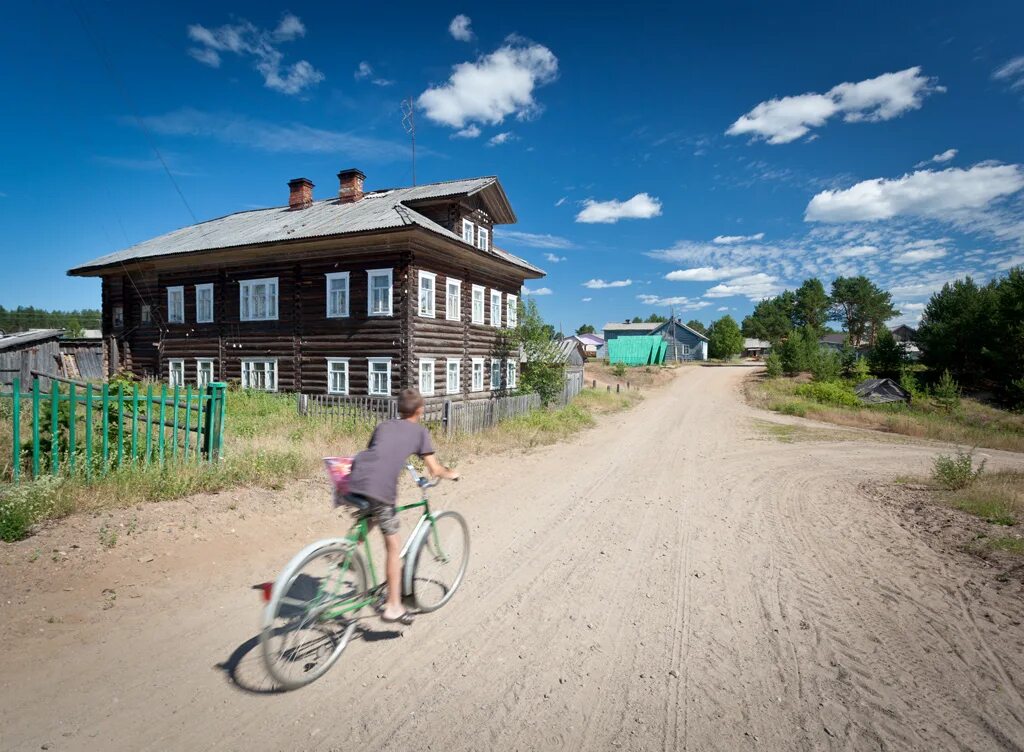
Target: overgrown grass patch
1006, 544
995, 497
974, 423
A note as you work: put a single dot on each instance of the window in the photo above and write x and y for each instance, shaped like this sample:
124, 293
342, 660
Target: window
453, 376
117, 317
686, 349
176, 372
482, 239
495, 308
428, 282
337, 375
259, 374
495, 374
513, 374
175, 305
478, 304
453, 300
258, 299
379, 298
380, 376
337, 295
204, 304
146, 314
467, 231
204, 371
511, 311
478, 374
426, 376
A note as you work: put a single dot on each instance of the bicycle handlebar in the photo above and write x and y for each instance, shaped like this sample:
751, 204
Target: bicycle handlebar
422, 481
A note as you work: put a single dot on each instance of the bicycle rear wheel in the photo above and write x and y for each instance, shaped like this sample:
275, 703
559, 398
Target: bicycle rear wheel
439, 560
312, 613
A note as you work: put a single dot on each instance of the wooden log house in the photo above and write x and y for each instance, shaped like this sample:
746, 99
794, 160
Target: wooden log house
362, 294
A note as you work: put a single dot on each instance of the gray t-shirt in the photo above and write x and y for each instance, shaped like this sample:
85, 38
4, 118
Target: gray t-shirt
377, 468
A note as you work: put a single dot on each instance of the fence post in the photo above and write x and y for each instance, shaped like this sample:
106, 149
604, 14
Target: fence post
617, 388
88, 431
72, 409
104, 425
214, 420
302, 403
595, 384
16, 424
446, 417
35, 427
223, 416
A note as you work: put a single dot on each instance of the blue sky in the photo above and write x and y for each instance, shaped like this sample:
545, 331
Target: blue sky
688, 158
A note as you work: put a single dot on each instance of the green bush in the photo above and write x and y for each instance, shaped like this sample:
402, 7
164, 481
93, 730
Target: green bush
24, 505
826, 366
619, 369
954, 473
911, 385
946, 393
859, 371
829, 393
800, 351
789, 408
773, 365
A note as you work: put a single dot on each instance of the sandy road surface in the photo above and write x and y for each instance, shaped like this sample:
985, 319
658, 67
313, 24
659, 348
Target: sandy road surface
670, 580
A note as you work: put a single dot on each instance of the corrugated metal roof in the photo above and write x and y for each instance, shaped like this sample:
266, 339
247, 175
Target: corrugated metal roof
377, 210
751, 343
639, 327
11, 341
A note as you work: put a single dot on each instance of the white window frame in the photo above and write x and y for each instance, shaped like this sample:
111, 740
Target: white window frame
456, 387
496, 308
483, 238
370, 275
468, 228
453, 313
245, 288
511, 374
331, 362
199, 371
432, 365
199, 317
343, 312
427, 312
145, 314
496, 369
481, 293
686, 349
511, 311
173, 363
176, 315
370, 363
477, 385
246, 374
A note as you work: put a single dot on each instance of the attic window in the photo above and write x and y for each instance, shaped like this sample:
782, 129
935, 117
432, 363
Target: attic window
483, 238
467, 231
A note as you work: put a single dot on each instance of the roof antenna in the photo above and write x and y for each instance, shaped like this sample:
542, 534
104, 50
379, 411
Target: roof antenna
409, 123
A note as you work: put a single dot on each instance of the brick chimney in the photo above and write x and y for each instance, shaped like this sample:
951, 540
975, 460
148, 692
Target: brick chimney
300, 193
350, 185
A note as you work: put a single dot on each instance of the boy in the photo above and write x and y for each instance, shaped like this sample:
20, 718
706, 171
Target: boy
374, 481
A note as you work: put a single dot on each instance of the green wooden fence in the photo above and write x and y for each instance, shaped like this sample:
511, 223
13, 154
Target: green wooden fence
89, 429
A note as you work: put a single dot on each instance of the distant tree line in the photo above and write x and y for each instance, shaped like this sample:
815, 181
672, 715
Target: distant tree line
23, 318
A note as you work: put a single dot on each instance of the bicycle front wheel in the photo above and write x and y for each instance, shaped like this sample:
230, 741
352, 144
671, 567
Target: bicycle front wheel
312, 613
439, 560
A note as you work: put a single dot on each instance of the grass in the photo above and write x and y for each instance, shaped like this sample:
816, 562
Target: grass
267, 443
997, 498
1007, 545
973, 424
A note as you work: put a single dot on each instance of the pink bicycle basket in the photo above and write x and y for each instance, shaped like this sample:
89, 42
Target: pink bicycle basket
339, 470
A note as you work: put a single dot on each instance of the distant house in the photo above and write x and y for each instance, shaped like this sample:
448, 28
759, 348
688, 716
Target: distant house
833, 340
683, 342
755, 348
591, 343
904, 333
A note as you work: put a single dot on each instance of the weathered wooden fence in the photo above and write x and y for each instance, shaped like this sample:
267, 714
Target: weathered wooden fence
88, 429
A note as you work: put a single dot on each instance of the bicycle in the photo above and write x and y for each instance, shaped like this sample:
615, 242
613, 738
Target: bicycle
323, 590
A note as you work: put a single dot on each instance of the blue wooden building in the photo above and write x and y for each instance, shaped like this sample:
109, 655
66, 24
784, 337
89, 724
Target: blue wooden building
683, 342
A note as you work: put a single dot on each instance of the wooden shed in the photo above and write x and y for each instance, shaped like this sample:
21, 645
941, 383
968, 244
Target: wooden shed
24, 352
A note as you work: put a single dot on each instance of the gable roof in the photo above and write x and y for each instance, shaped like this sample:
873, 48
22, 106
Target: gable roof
589, 339
681, 325
376, 211
630, 327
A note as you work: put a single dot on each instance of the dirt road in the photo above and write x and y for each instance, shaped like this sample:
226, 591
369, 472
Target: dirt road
671, 580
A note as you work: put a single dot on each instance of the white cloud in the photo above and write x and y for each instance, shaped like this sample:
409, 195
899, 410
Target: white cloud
554, 259
780, 121
460, 28
939, 158
290, 138
681, 302
538, 291
856, 251
561, 201
754, 287
722, 308
500, 138
919, 255
494, 87
600, 284
246, 40
641, 206
927, 193
365, 71
1012, 72
534, 239
586, 300
707, 273
470, 131
733, 239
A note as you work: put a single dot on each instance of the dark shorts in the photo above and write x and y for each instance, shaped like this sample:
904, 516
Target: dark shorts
380, 512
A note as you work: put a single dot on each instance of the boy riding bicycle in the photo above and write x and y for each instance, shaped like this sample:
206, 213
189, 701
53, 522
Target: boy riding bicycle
374, 484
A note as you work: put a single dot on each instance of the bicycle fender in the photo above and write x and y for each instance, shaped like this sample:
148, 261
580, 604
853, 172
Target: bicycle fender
293, 563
